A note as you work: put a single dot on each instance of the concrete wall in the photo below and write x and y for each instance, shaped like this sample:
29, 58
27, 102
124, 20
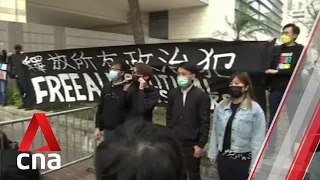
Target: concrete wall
126, 28
99, 9
35, 37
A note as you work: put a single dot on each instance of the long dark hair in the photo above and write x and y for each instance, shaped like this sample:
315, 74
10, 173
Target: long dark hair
246, 80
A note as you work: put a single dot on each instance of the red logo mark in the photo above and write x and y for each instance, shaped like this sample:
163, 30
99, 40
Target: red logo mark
39, 119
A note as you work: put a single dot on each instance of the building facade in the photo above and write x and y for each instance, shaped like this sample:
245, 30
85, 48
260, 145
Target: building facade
302, 13
269, 12
178, 20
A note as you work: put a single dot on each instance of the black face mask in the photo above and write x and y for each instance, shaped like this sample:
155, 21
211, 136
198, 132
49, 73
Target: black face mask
135, 79
235, 91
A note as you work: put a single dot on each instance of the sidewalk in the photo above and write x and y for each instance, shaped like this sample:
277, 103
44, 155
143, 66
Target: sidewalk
77, 171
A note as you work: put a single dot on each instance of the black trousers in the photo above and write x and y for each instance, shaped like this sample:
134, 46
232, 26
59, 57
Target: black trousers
192, 164
232, 169
22, 91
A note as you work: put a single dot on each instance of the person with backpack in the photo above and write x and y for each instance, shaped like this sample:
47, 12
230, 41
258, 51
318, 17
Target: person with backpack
188, 116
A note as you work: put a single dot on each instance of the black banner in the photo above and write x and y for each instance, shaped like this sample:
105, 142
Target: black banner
77, 75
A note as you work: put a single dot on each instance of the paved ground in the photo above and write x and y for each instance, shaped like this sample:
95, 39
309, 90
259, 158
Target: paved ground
79, 171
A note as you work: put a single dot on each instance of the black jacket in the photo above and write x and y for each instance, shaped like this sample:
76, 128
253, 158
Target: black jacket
111, 112
190, 122
140, 103
279, 81
9, 169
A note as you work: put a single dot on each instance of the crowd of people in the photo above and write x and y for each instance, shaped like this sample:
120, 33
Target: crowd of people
238, 129
133, 148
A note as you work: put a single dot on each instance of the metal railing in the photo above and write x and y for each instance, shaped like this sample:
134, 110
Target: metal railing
73, 130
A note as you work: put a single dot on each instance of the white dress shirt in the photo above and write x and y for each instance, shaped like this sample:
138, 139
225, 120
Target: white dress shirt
184, 93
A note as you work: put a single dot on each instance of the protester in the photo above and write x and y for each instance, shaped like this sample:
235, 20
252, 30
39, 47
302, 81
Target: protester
19, 72
141, 96
282, 67
8, 162
3, 78
139, 150
238, 131
188, 115
111, 109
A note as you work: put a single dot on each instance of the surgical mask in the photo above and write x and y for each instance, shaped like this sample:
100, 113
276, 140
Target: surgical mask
113, 75
182, 81
235, 91
285, 39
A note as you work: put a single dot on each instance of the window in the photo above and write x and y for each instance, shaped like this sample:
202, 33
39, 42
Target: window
255, 5
299, 17
273, 17
300, 5
264, 10
245, 8
272, 24
277, 3
158, 25
272, 7
298, 12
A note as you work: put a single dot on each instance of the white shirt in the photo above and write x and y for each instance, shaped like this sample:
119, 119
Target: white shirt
184, 93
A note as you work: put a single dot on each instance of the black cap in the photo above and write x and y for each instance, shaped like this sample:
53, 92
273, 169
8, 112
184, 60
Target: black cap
17, 46
189, 67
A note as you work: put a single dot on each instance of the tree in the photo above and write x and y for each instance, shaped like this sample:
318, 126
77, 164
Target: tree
246, 23
136, 21
312, 11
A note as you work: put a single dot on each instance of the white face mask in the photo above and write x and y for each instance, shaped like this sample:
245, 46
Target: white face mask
113, 75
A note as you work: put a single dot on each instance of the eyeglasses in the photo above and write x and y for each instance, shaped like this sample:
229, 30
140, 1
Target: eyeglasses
114, 69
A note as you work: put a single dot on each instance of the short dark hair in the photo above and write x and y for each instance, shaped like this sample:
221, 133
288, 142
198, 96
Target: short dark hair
121, 64
17, 46
144, 69
188, 66
295, 28
140, 149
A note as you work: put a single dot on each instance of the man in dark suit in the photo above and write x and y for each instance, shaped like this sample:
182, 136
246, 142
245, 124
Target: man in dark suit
188, 116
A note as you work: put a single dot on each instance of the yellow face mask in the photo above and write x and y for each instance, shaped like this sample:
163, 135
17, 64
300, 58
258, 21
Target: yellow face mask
285, 39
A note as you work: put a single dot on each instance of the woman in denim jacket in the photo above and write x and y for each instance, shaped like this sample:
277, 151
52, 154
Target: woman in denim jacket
238, 131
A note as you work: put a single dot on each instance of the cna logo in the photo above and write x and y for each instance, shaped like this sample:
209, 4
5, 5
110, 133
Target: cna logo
54, 162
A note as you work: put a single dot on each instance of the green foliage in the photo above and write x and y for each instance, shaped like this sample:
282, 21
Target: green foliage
14, 97
159, 115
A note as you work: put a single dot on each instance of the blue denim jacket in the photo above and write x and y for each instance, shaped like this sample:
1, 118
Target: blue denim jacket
248, 129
